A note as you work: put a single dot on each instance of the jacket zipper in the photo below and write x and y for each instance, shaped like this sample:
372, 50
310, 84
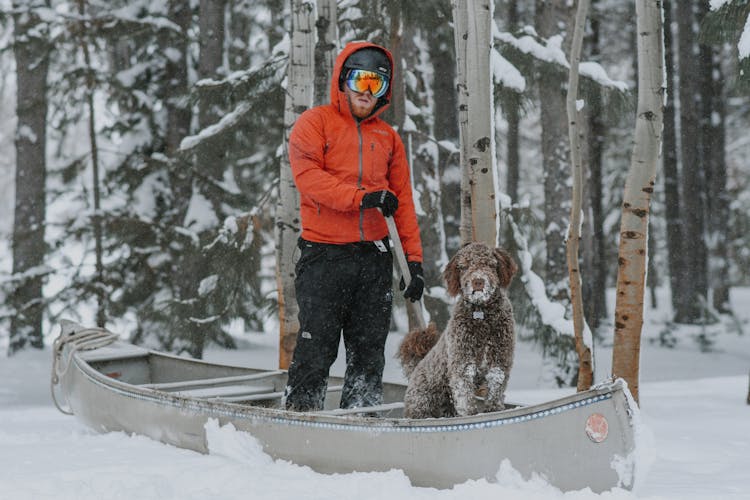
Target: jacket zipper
359, 185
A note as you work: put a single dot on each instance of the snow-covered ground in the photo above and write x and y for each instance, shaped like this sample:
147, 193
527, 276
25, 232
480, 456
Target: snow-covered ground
693, 408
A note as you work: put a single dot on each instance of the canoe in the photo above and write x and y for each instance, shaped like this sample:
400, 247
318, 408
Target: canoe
583, 440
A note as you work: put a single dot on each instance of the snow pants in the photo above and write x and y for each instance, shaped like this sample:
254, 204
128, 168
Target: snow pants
341, 290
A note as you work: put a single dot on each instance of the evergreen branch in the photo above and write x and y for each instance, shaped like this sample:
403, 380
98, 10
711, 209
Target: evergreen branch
228, 122
531, 51
724, 24
247, 84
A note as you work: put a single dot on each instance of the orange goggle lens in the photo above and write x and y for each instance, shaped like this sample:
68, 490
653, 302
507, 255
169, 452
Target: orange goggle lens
360, 80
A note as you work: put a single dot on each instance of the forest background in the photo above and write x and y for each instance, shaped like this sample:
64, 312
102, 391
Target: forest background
142, 144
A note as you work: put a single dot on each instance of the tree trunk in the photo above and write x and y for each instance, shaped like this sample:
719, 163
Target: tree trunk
513, 117
714, 161
555, 155
637, 195
31, 50
397, 109
211, 23
672, 211
176, 75
478, 142
210, 161
442, 55
693, 174
299, 97
460, 37
239, 31
582, 333
594, 297
325, 49
96, 219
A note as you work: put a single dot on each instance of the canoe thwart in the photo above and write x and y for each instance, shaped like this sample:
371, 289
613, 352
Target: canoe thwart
268, 395
364, 409
188, 384
225, 391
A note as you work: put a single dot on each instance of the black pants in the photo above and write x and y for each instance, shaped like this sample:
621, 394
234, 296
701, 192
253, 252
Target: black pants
340, 289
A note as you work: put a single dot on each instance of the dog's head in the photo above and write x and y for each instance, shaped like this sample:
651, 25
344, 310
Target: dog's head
477, 271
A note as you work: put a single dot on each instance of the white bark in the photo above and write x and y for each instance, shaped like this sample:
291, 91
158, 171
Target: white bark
299, 97
639, 185
473, 21
460, 35
583, 344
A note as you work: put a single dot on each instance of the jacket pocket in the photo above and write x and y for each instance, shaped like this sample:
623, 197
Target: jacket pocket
380, 159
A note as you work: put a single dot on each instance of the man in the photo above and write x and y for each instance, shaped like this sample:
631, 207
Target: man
350, 168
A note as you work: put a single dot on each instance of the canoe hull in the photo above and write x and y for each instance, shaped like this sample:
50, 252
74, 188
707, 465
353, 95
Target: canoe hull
551, 439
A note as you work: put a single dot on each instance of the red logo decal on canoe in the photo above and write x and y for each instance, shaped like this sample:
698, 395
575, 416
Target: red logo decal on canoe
597, 427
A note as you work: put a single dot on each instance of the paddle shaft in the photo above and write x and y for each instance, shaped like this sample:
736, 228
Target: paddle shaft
415, 307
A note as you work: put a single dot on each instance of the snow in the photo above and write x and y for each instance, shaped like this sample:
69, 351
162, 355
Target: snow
743, 46
694, 414
717, 4
505, 74
200, 213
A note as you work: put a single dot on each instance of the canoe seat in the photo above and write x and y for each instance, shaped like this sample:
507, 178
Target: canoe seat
364, 409
206, 382
225, 391
269, 395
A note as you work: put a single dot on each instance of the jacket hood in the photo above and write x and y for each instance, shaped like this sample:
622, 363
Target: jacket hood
338, 96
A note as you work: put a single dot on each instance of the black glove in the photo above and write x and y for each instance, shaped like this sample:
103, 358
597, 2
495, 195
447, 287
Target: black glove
415, 289
384, 200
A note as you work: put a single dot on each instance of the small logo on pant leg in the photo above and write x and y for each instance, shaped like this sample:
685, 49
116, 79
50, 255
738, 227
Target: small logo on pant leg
306, 335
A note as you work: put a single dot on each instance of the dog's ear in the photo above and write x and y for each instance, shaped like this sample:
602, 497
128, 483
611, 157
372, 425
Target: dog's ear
452, 278
506, 266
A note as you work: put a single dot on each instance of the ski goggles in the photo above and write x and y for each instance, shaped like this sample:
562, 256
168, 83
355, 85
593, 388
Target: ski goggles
361, 80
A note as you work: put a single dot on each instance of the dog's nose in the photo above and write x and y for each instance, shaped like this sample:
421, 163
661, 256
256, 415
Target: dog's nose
477, 284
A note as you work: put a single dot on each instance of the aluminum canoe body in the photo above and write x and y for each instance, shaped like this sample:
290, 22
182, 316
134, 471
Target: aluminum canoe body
583, 440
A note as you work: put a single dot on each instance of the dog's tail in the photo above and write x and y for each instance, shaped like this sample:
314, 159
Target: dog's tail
415, 346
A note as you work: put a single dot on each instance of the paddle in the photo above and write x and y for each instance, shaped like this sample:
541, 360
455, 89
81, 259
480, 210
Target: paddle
415, 307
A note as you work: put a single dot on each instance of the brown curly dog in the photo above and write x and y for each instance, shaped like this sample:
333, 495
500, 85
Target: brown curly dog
450, 374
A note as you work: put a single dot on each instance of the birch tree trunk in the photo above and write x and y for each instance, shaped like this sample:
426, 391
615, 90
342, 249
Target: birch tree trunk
637, 195
582, 334
31, 49
299, 97
474, 39
460, 36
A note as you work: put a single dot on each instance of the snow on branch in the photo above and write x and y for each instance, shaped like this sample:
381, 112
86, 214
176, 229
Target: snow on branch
227, 122
743, 46
250, 77
551, 52
123, 21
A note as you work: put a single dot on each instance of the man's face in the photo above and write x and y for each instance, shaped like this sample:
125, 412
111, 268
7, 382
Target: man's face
360, 104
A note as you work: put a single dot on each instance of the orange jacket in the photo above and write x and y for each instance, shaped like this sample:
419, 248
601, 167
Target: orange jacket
336, 160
